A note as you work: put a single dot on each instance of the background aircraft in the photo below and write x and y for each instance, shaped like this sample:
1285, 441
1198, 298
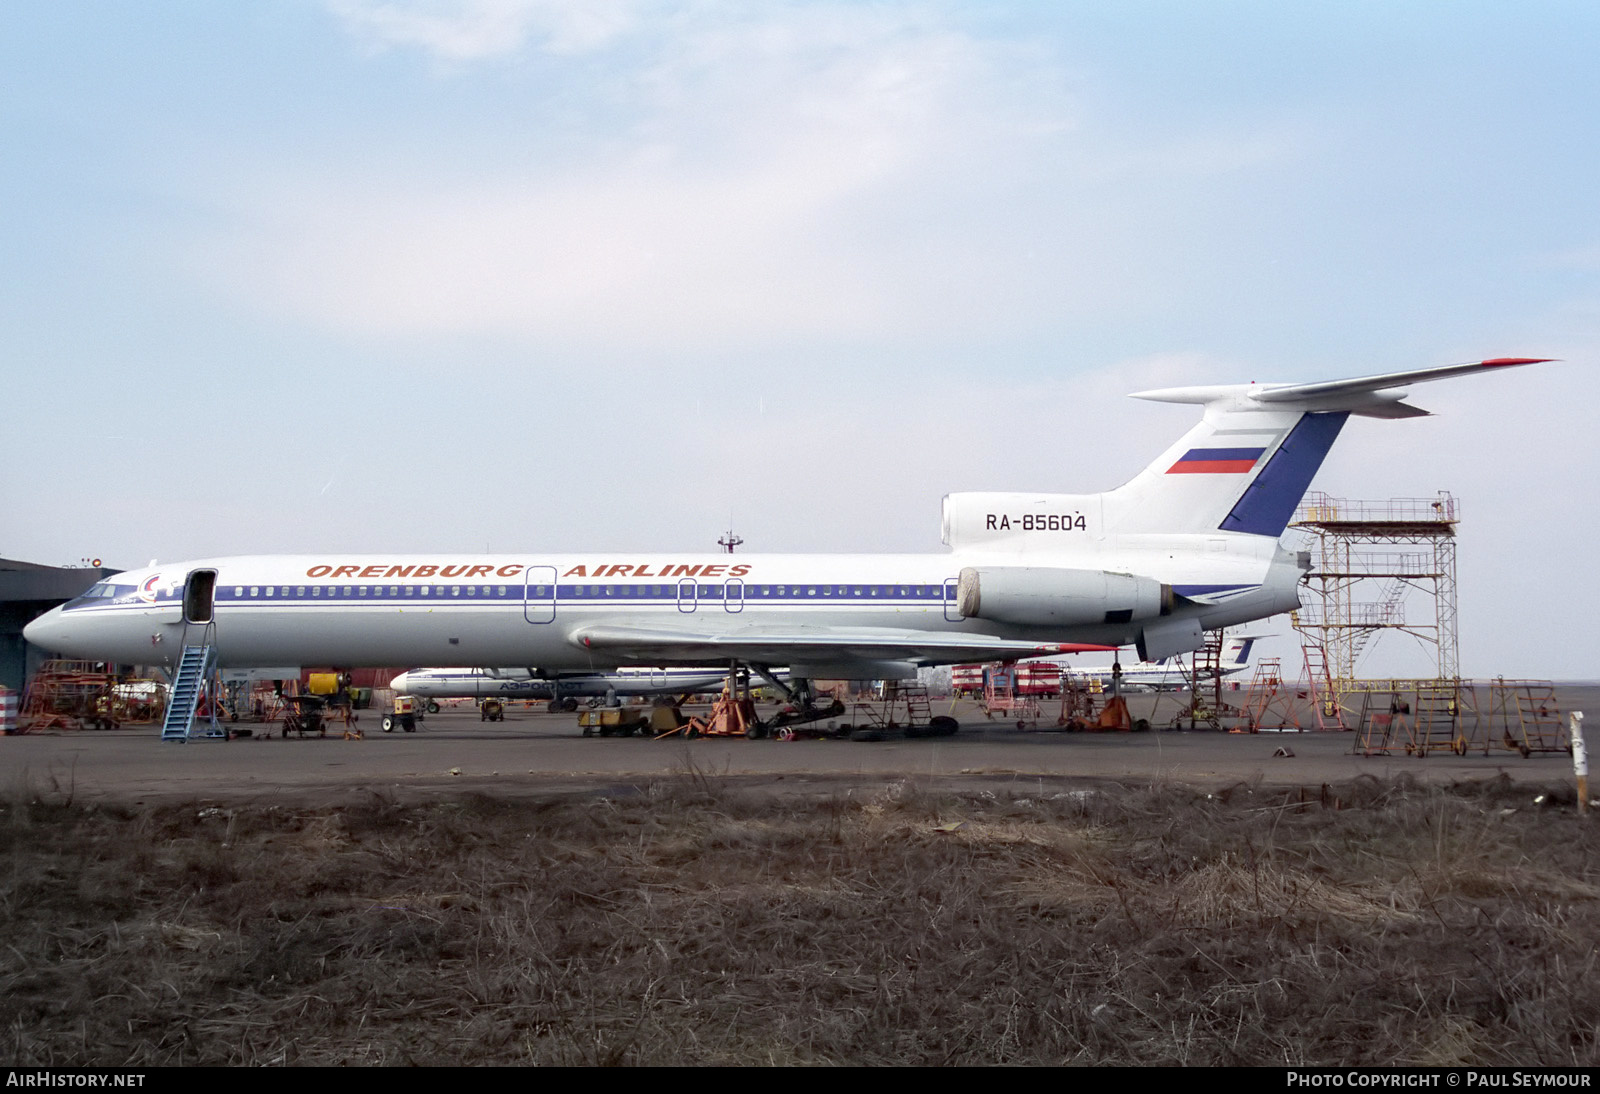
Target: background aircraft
1169, 673
567, 688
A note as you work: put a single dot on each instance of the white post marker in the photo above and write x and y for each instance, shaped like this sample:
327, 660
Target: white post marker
1580, 760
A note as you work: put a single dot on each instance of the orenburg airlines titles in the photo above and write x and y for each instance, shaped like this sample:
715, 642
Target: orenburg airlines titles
515, 569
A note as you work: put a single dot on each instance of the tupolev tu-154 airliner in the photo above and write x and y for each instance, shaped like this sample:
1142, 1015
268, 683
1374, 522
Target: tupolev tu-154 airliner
1190, 544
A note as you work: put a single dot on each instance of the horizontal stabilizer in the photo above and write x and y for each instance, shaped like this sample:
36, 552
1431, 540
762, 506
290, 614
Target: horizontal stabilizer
1372, 396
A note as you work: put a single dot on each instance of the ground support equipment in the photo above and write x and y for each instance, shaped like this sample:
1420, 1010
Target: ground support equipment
67, 695
613, 722
1528, 716
904, 708
402, 717
1411, 716
302, 716
1001, 697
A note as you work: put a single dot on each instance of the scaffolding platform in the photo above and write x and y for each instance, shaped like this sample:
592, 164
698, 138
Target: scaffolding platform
1369, 561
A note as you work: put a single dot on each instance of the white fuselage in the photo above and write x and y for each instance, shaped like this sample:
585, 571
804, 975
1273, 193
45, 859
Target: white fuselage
531, 610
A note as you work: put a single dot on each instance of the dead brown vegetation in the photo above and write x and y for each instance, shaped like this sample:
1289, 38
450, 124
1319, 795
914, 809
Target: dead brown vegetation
695, 921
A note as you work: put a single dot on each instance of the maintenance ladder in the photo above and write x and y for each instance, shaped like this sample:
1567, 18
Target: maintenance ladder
1538, 726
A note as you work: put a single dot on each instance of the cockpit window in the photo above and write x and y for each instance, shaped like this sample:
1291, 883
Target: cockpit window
101, 591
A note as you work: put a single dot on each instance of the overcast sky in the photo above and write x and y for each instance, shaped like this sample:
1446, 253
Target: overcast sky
537, 276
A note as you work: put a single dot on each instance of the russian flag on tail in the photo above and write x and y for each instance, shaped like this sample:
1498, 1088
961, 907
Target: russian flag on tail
1214, 461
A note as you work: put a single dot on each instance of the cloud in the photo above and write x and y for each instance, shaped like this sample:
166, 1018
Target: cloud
471, 30
828, 171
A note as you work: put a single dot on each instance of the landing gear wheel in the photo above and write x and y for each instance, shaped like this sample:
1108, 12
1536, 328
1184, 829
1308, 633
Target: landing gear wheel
433, 707
569, 705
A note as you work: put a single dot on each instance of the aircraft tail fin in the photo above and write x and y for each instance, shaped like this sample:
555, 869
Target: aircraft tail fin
1247, 464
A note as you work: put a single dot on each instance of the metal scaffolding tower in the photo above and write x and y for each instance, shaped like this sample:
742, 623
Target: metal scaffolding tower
1368, 558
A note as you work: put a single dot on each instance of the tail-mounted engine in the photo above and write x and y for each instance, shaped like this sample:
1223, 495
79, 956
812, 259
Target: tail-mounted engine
1048, 596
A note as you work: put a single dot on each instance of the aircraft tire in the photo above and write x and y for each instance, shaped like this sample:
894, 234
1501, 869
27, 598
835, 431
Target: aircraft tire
569, 705
433, 707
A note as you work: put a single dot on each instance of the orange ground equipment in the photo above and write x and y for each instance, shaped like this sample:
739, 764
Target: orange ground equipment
730, 717
1002, 697
68, 695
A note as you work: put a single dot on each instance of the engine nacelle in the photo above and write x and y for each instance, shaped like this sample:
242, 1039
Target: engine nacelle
1050, 596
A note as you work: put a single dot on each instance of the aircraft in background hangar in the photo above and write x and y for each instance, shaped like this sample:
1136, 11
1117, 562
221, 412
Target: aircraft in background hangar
1190, 544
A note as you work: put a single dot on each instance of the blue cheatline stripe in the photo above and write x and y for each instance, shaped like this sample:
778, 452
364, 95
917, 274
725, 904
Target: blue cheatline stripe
314, 593
1270, 500
1204, 590
1226, 454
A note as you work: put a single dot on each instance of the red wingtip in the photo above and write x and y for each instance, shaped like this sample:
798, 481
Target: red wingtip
1496, 362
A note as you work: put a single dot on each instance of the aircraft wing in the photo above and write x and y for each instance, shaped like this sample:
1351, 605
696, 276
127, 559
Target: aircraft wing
802, 644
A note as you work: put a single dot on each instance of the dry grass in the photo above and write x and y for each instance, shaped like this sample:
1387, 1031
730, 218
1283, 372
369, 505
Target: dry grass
696, 922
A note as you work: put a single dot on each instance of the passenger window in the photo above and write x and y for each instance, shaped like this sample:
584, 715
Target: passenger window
299, 590
255, 590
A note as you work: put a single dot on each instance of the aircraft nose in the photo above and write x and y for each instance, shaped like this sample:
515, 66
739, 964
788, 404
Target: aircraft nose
47, 632
401, 683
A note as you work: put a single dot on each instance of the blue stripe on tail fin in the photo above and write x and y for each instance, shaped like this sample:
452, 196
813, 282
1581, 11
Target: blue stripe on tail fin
1270, 500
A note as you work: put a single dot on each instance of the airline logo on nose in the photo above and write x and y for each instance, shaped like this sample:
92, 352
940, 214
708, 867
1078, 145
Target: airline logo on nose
147, 591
